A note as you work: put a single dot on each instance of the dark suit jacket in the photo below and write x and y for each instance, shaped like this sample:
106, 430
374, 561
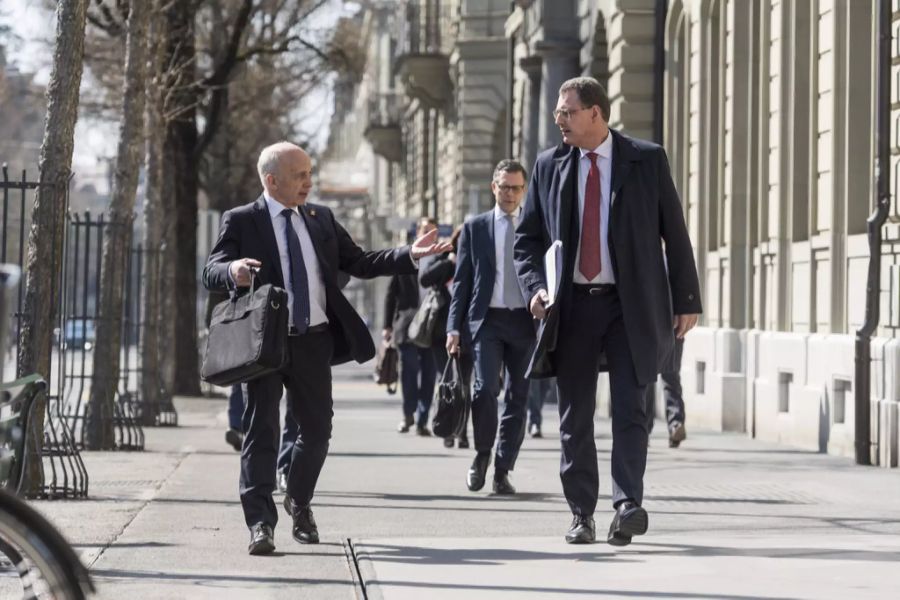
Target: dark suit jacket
645, 212
402, 294
476, 269
247, 232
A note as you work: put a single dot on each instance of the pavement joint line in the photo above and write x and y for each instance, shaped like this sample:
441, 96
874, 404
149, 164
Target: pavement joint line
355, 573
160, 483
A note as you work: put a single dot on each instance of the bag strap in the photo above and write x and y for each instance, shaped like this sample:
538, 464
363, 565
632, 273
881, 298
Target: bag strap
448, 368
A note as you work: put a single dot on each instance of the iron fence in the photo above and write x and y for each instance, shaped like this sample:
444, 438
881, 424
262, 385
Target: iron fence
82, 275
63, 472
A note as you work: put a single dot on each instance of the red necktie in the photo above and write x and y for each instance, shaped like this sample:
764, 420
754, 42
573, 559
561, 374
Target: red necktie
589, 263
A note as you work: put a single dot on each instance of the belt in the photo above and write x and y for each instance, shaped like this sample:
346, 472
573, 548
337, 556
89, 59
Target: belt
320, 328
594, 289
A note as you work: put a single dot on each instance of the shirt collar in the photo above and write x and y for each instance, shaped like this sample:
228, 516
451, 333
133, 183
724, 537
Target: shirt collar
499, 214
275, 207
604, 150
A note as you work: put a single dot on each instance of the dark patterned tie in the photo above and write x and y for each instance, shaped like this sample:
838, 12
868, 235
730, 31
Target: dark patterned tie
299, 282
589, 263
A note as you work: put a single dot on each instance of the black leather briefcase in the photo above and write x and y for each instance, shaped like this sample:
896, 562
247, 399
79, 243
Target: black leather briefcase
247, 336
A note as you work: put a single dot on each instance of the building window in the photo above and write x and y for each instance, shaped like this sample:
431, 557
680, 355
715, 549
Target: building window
701, 377
841, 388
785, 379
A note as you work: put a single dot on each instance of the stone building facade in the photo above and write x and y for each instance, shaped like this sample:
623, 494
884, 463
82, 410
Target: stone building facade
767, 111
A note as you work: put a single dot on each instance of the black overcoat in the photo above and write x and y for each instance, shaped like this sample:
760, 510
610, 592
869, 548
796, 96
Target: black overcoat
646, 222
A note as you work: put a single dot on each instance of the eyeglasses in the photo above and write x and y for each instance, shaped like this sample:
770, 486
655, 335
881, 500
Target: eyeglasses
511, 188
566, 114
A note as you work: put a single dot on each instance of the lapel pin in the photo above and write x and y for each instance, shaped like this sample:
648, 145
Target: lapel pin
312, 212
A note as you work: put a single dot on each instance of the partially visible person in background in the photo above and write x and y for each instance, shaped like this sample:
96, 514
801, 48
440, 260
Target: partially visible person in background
540, 392
674, 400
417, 369
437, 272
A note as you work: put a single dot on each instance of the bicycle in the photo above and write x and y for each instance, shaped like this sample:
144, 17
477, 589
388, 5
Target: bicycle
47, 566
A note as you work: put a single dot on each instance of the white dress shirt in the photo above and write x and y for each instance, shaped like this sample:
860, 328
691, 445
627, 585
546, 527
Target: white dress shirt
313, 272
500, 225
604, 163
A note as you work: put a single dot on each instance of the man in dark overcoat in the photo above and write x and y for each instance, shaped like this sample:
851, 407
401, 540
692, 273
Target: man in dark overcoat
611, 202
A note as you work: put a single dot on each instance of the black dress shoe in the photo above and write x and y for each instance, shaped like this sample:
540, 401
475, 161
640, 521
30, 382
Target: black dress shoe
282, 481
448, 442
677, 434
582, 531
423, 431
234, 438
502, 486
305, 530
477, 472
535, 431
463, 442
630, 520
404, 425
262, 539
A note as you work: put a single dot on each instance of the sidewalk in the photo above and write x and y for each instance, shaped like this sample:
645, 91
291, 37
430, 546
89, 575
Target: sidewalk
730, 518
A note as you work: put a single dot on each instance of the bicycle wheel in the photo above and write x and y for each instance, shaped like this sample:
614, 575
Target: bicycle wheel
45, 563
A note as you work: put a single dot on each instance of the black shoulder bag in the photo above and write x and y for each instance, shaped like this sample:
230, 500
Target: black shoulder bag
247, 336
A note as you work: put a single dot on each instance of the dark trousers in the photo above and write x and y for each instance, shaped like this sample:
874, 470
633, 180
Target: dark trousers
307, 377
505, 338
595, 324
417, 376
289, 432
465, 367
235, 407
671, 391
540, 392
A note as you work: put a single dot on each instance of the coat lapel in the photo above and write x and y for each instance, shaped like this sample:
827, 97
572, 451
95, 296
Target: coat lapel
317, 235
567, 167
267, 232
624, 154
488, 233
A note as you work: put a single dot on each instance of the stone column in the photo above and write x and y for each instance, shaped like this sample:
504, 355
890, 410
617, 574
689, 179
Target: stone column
559, 63
531, 99
631, 34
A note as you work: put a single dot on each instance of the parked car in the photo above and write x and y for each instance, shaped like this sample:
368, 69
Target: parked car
79, 334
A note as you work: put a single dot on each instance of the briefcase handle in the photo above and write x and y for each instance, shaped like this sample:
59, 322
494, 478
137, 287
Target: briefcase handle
254, 276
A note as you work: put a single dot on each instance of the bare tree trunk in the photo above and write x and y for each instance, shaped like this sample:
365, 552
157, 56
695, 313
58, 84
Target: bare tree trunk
43, 264
181, 141
100, 419
152, 388
167, 273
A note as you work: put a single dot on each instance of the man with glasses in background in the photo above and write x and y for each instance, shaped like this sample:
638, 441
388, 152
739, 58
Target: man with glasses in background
486, 297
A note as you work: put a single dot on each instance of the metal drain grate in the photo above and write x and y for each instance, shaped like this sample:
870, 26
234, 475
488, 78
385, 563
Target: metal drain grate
750, 493
128, 483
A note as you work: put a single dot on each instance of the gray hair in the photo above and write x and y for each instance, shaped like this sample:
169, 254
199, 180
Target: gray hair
269, 157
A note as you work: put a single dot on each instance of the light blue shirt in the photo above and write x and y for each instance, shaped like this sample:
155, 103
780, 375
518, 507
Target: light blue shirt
500, 225
313, 272
604, 163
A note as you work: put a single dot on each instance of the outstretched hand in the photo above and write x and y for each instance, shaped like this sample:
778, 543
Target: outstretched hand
428, 245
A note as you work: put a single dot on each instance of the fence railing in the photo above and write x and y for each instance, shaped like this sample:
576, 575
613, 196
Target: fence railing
63, 472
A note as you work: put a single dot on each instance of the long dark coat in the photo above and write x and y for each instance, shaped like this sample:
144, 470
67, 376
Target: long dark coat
646, 220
